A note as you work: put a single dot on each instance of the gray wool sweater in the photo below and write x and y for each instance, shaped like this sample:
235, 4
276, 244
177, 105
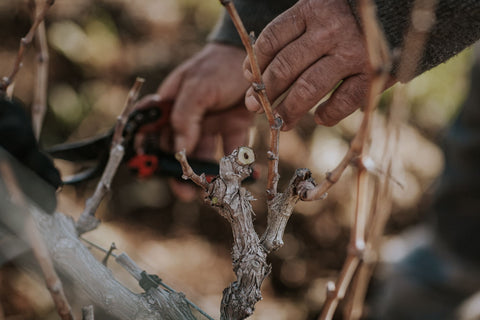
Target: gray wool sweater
457, 25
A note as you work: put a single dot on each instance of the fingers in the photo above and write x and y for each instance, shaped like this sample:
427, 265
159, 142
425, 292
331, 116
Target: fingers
276, 35
234, 140
148, 100
192, 101
347, 98
287, 65
186, 116
206, 147
183, 190
251, 101
292, 61
238, 130
210, 81
231, 124
314, 84
304, 54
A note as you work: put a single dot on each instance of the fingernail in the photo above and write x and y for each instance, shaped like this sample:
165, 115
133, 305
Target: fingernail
252, 103
248, 75
318, 120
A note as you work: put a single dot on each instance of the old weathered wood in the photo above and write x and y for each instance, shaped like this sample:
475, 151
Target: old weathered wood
249, 252
75, 262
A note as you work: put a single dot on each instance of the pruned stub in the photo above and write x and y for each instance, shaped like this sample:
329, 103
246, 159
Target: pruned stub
249, 257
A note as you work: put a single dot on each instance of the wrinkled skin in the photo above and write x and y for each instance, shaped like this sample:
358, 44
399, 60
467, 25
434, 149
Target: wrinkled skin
308, 50
208, 90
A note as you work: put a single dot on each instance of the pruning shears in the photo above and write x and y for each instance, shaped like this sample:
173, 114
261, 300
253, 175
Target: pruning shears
152, 160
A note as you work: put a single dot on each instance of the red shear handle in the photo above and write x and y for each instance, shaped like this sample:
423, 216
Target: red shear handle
154, 101
144, 164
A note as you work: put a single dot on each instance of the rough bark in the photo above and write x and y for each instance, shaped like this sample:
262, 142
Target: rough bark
249, 253
74, 262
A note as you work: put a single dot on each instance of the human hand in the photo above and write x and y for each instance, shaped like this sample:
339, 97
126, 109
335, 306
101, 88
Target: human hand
207, 91
210, 81
308, 50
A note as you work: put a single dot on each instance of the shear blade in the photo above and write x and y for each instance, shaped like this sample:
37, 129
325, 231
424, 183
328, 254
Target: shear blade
85, 150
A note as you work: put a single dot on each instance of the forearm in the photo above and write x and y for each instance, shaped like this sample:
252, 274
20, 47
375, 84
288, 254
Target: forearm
255, 14
457, 26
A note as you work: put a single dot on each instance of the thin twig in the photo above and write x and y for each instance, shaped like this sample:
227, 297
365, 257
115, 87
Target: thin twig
54, 284
249, 253
411, 55
87, 313
274, 121
397, 114
188, 172
127, 109
422, 20
87, 220
357, 241
356, 250
336, 292
39, 106
24, 44
380, 63
109, 253
40, 251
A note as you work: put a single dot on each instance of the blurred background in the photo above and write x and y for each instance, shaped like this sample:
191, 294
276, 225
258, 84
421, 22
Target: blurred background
97, 49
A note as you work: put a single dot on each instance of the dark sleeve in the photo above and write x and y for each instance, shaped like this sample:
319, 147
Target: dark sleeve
457, 26
255, 14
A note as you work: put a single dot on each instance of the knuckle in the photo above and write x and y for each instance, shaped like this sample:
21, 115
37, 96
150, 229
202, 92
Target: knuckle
305, 90
287, 117
358, 93
332, 115
280, 68
268, 41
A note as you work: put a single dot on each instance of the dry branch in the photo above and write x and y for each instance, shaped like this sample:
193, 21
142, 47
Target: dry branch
39, 106
249, 253
423, 19
87, 313
366, 241
380, 63
233, 201
281, 207
87, 220
274, 121
131, 267
24, 44
54, 285
96, 283
36, 241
